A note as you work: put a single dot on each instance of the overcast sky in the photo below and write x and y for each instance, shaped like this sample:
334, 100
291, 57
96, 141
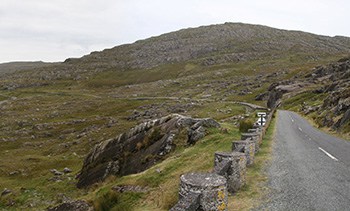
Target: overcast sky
53, 30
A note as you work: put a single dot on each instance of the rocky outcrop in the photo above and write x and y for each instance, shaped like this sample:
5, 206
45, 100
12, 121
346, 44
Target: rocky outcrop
336, 77
277, 90
140, 147
333, 87
345, 119
79, 205
262, 96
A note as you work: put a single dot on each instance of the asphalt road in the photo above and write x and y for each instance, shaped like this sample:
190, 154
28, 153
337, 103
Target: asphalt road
310, 170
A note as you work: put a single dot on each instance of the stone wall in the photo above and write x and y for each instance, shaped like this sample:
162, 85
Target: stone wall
208, 191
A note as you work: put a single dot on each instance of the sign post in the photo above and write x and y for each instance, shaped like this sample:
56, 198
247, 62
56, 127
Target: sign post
261, 120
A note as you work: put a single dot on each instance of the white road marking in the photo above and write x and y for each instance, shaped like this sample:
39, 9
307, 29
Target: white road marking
329, 155
300, 129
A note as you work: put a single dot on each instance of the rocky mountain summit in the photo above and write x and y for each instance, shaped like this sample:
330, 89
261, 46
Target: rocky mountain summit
141, 147
215, 44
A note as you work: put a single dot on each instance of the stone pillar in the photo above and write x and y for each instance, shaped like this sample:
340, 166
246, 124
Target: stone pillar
188, 203
211, 187
255, 137
236, 173
247, 147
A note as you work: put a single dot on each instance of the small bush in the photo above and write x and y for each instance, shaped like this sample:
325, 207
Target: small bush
106, 201
112, 201
245, 124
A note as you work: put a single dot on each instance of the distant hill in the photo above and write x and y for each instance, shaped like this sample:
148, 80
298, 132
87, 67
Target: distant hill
215, 44
205, 46
15, 66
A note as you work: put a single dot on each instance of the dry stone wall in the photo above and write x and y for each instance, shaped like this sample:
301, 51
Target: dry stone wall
247, 147
208, 191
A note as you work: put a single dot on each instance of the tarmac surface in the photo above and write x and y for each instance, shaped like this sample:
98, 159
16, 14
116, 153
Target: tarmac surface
310, 170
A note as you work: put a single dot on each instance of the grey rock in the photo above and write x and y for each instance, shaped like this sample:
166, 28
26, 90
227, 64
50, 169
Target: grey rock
79, 205
67, 170
6, 192
56, 172
14, 173
262, 96
140, 147
130, 188
345, 119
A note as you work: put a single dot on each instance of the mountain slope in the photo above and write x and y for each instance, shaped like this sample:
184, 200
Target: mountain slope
230, 42
17, 66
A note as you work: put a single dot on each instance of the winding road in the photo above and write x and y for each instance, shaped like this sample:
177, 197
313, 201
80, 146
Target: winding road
310, 170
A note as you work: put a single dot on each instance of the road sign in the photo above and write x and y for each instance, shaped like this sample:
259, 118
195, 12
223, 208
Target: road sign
261, 121
261, 114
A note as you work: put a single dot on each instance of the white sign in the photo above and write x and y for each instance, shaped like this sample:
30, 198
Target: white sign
261, 121
262, 114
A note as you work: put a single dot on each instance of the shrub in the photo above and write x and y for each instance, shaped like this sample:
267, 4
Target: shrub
245, 124
106, 201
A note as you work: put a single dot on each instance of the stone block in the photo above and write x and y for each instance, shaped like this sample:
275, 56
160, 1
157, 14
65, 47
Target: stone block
246, 147
211, 187
190, 202
236, 173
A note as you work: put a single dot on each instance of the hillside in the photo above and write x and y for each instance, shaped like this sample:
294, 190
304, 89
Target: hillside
53, 116
216, 44
18, 66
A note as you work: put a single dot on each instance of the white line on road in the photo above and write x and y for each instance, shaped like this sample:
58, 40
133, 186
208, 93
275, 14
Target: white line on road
300, 129
329, 155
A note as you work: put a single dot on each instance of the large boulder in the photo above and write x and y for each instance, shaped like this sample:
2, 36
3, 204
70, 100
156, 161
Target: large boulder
277, 90
140, 147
